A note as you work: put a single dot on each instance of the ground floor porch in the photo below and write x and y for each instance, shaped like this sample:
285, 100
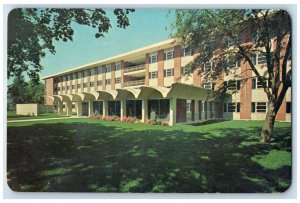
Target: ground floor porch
177, 104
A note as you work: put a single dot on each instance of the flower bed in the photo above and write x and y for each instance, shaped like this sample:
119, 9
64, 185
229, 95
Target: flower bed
128, 120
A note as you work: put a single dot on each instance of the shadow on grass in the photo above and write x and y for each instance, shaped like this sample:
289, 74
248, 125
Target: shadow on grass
85, 157
207, 122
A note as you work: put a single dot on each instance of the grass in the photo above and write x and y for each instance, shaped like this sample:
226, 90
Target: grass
11, 115
85, 155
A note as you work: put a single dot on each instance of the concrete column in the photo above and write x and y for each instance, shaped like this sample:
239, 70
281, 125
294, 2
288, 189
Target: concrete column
69, 108
60, 108
123, 108
79, 108
211, 109
105, 108
144, 110
206, 109
91, 108
196, 109
172, 114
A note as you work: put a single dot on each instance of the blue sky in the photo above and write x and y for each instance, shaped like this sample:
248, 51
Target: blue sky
147, 26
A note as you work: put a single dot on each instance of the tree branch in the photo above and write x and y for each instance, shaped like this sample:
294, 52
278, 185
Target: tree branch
285, 58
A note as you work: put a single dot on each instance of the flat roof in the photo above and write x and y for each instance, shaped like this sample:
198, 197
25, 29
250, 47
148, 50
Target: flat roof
131, 54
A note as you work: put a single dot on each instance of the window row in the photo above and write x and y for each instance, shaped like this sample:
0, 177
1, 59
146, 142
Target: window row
168, 55
232, 107
92, 84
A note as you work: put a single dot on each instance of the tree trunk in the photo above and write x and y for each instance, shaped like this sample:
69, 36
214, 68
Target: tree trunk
267, 130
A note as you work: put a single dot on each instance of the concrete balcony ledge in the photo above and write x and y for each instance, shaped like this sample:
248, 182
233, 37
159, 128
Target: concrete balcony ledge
140, 67
134, 83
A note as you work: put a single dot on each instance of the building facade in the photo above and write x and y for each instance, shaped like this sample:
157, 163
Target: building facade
153, 83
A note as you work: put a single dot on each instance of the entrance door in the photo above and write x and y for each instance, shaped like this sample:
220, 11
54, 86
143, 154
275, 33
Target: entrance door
85, 109
181, 111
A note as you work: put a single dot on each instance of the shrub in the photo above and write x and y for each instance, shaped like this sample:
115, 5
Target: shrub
152, 122
165, 123
96, 116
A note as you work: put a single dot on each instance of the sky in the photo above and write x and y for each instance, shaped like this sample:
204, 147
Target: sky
147, 26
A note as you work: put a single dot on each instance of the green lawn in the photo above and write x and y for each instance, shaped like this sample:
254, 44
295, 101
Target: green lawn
80, 155
11, 115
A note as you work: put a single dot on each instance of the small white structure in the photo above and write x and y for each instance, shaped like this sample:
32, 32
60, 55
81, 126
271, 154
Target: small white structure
33, 109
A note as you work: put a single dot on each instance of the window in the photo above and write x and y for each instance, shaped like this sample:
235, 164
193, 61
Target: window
153, 74
86, 73
73, 87
153, 58
99, 70
92, 72
288, 107
74, 76
232, 107
261, 58
258, 107
186, 52
107, 81
117, 80
118, 66
78, 75
78, 86
234, 64
159, 109
99, 82
185, 70
68, 87
91, 84
169, 72
58, 88
84, 85
168, 55
207, 85
207, 66
256, 84
63, 88
232, 84
108, 68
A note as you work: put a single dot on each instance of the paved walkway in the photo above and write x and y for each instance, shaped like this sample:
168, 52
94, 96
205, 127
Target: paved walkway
42, 119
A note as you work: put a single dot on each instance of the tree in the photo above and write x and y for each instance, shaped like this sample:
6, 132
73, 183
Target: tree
211, 31
32, 31
18, 90
26, 92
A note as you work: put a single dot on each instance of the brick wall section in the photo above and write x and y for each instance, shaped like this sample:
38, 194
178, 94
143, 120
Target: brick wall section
177, 63
103, 78
95, 79
147, 69
160, 58
246, 91
112, 80
219, 82
49, 91
196, 73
